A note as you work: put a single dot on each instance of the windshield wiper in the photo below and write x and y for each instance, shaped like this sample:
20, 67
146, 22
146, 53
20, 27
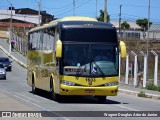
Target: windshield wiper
102, 73
78, 73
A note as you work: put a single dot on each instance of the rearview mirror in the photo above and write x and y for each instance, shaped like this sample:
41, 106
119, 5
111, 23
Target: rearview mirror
59, 49
122, 49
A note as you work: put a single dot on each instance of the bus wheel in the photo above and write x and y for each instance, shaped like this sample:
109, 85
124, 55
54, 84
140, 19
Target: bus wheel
34, 90
54, 96
101, 99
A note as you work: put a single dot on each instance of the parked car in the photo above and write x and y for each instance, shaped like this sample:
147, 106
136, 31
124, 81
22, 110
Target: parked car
2, 72
6, 63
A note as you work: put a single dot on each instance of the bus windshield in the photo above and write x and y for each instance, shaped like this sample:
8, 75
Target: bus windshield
90, 59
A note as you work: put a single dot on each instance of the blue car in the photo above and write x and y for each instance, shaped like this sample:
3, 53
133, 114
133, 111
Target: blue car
6, 63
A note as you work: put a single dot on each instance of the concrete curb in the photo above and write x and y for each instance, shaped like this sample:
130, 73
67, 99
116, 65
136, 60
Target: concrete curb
14, 58
148, 95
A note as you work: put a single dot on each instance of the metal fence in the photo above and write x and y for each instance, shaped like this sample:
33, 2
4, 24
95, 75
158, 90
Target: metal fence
135, 71
20, 45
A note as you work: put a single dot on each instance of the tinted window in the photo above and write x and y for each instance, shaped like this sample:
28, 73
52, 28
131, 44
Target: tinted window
1, 66
89, 35
4, 60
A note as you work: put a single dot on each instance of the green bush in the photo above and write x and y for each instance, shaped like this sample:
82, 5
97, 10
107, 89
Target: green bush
142, 94
158, 88
151, 86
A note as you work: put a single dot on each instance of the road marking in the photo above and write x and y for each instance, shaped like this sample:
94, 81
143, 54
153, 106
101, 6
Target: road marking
27, 101
127, 108
26, 97
38, 106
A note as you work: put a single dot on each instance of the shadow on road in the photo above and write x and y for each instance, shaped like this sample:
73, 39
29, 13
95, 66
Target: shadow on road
76, 99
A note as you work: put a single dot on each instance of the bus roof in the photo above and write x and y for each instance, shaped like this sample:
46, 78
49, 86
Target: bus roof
70, 18
86, 24
76, 18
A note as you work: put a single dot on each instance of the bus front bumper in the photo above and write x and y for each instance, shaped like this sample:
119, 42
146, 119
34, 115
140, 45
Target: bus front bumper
88, 91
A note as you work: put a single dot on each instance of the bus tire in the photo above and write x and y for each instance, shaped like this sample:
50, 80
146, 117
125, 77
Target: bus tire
54, 96
34, 90
101, 99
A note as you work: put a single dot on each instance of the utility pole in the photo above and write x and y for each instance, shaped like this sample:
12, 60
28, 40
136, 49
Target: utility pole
148, 25
73, 7
105, 11
148, 35
120, 21
39, 11
10, 29
11, 17
96, 9
39, 6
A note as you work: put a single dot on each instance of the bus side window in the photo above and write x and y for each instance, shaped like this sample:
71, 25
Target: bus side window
49, 38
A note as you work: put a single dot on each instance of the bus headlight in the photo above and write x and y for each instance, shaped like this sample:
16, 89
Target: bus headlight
111, 84
64, 82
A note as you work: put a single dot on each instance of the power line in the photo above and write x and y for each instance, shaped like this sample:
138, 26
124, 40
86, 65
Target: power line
132, 15
138, 17
63, 7
66, 6
127, 17
142, 6
72, 8
69, 7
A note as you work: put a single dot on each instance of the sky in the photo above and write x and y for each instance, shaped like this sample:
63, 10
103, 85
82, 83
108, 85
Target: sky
131, 10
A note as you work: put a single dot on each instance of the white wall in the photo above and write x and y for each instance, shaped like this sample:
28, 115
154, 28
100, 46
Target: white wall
154, 35
5, 14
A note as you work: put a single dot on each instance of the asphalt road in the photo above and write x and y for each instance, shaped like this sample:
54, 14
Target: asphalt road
16, 95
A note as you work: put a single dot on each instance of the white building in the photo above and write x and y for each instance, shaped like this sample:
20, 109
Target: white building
154, 32
6, 14
133, 32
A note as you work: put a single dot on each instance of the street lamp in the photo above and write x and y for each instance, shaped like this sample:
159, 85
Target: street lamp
10, 30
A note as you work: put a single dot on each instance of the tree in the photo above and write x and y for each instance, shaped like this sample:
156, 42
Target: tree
125, 25
101, 17
143, 23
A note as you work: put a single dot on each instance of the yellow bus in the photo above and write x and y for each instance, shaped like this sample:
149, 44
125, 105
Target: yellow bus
74, 56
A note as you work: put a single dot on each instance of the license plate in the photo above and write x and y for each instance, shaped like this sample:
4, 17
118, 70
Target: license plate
89, 91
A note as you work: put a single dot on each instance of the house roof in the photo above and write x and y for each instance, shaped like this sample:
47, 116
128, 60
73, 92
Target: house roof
30, 11
155, 27
15, 23
133, 25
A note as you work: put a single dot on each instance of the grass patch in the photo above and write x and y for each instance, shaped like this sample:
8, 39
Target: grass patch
142, 94
151, 86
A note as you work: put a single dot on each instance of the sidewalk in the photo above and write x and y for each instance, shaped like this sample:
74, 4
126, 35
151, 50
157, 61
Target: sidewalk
16, 56
131, 90
127, 89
